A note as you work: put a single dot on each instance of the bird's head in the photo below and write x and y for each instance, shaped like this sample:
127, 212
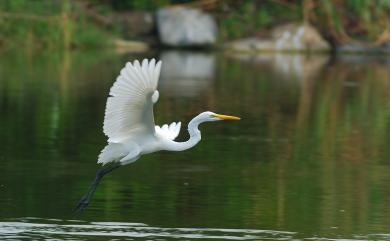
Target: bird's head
211, 116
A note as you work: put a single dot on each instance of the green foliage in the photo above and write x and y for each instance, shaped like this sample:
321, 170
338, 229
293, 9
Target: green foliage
263, 17
126, 5
59, 24
340, 20
252, 17
358, 19
148, 5
45, 24
90, 37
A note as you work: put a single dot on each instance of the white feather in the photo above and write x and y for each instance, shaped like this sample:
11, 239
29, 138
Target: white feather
169, 132
111, 152
129, 108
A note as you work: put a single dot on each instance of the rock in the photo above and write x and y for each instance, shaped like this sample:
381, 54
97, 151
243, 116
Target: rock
299, 37
350, 47
290, 37
357, 47
185, 27
386, 46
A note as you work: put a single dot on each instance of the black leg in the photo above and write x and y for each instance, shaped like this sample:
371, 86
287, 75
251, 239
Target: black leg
83, 203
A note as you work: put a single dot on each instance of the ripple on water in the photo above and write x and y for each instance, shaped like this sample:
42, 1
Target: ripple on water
56, 229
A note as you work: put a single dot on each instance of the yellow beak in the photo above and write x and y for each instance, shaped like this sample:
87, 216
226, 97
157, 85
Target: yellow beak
227, 117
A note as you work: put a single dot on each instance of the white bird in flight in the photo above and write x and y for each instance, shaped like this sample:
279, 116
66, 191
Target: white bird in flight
129, 122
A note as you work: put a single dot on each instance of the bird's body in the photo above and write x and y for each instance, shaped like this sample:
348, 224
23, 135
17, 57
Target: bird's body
129, 122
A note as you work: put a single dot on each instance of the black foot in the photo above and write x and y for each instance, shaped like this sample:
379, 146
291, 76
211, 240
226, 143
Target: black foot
83, 203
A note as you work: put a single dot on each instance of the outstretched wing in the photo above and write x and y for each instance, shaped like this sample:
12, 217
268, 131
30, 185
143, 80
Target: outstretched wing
170, 132
129, 108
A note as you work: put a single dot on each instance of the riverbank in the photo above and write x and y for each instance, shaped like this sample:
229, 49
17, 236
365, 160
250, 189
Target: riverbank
248, 26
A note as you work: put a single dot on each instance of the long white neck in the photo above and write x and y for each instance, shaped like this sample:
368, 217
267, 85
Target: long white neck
194, 137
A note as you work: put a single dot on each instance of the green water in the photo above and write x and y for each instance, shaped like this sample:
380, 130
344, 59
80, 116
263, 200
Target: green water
309, 159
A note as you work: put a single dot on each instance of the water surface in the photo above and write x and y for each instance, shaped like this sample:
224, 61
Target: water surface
310, 158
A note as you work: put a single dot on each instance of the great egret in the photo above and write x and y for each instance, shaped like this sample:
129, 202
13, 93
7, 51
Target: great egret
129, 122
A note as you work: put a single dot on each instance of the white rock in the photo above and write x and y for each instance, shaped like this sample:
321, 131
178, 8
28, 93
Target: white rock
290, 37
179, 26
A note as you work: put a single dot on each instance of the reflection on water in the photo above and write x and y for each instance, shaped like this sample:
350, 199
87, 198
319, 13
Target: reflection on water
186, 73
295, 66
309, 157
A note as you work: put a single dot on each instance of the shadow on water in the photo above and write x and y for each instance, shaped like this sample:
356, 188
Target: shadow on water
310, 156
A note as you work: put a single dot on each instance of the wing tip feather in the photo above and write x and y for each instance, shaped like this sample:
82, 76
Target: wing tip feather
133, 82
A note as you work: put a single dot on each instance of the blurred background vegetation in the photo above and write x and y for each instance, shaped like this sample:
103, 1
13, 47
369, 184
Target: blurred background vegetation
89, 23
